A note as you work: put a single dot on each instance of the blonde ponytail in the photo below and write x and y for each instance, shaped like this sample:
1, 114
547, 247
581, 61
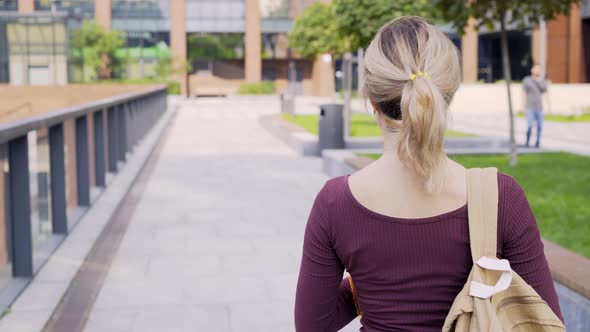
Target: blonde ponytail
416, 66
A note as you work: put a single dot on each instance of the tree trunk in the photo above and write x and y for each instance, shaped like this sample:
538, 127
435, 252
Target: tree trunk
347, 69
508, 78
104, 70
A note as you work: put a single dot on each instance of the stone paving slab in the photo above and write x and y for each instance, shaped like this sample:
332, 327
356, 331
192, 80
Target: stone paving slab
215, 243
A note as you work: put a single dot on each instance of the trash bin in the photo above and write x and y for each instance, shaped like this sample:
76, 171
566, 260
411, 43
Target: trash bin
331, 127
288, 103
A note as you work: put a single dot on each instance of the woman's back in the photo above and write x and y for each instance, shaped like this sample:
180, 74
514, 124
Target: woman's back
399, 226
407, 272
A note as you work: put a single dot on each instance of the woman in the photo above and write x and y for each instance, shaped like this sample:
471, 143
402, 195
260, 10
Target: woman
399, 226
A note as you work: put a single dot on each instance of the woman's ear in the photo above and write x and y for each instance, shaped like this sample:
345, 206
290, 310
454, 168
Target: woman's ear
375, 106
376, 113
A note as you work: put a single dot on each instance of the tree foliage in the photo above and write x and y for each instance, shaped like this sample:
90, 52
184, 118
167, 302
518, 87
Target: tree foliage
489, 13
97, 48
225, 47
498, 15
360, 20
315, 32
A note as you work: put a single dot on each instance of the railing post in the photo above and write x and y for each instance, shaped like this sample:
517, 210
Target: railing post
164, 106
20, 207
113, 133
82, 169
130, 126
122, 134
57, 167
99, 160
139, 120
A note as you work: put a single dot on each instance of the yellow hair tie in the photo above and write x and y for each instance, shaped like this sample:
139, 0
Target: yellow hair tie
420, 74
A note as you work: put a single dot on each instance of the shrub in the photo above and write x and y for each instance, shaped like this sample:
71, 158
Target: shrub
258, 88
173, 87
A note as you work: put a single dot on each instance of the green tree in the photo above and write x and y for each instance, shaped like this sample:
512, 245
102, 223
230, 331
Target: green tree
497, 15
225, 46
360, 20
163, 68
315, 32
97, 48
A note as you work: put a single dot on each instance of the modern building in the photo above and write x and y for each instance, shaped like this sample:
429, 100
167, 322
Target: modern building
561, 48
228, 42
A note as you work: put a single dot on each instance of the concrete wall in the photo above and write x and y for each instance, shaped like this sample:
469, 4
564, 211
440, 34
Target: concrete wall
323, 77
564, 48
26, 6
103, 13
253, 42
561, 98
178, 42
469, 54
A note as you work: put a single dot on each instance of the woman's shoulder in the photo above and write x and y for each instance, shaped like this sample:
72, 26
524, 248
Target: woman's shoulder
508, 186
334, 190
513, 205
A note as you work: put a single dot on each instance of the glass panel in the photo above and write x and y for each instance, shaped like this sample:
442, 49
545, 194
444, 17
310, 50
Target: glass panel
5, 261
8, 4
217, 16
141, 8
4, 58
145, 27
216, 46
84, 8
36, 37
275, 46
39, 182
274, 8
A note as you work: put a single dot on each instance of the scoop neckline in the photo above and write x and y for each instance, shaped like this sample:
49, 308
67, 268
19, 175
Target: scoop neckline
418, 221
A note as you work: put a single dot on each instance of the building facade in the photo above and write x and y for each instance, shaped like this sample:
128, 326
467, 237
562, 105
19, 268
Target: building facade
561, 49
227, 42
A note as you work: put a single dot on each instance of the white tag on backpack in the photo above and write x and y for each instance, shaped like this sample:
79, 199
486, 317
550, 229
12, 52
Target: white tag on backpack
483, 291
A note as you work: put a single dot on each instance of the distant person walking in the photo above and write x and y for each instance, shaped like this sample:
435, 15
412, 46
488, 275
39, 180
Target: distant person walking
534, 87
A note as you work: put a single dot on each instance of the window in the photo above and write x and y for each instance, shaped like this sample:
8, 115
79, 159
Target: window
77, 7
8, 4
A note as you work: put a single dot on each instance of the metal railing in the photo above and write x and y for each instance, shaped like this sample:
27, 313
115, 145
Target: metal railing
118, 124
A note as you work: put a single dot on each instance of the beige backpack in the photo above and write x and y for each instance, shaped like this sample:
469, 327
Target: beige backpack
509, 305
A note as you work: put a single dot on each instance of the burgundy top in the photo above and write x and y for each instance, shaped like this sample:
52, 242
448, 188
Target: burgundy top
407, 271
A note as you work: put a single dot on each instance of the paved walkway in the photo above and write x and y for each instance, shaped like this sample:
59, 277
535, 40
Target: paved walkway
571, 137
215, 242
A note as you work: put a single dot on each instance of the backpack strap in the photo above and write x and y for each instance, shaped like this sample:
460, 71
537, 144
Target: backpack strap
482, 205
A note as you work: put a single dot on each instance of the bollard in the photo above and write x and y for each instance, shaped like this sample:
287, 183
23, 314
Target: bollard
331, 127
288, 103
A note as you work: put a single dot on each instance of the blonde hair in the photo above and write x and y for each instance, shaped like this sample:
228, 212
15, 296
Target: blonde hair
411, 72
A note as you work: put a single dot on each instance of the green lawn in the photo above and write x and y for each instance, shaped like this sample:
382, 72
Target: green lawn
558, 188
584, 117
363, 125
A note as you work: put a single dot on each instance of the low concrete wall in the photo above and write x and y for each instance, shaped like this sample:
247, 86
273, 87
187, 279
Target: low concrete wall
575, 309
560, 99
485, 98
307, 144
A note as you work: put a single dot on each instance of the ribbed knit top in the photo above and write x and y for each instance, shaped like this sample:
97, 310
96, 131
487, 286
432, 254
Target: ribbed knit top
407, 272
